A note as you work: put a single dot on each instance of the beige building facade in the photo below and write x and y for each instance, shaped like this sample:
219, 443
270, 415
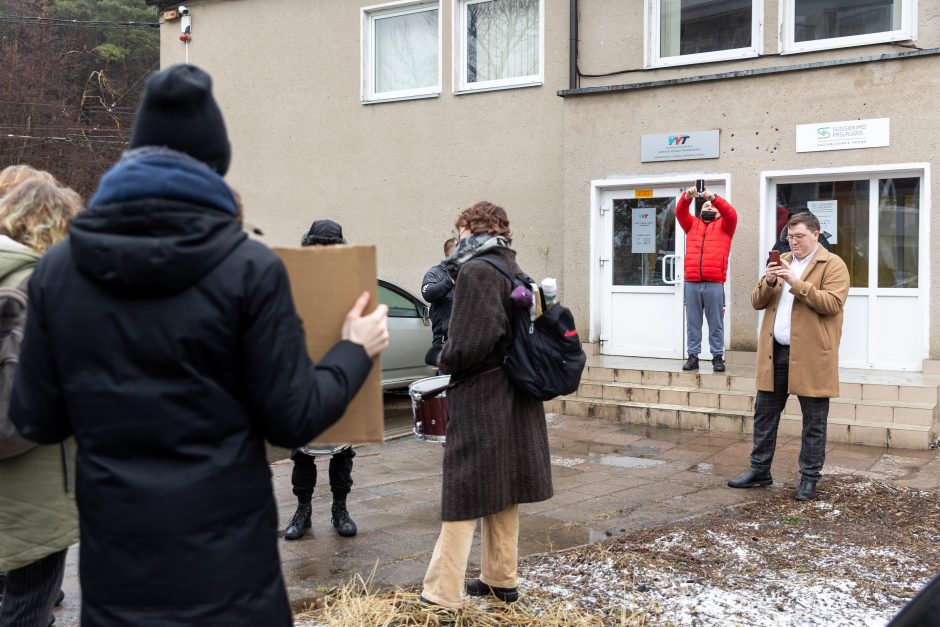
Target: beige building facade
585, 121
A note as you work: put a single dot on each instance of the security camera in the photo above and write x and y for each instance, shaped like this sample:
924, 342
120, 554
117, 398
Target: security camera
183, 10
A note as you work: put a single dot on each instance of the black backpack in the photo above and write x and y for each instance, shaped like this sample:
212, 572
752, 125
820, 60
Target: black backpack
12, 326
545, 359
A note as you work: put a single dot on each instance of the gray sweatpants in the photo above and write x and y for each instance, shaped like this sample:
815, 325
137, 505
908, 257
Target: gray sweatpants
706, 298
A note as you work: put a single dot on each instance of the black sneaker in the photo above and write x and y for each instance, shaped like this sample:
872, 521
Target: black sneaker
718, 363
299, 523
343, 524
691, 363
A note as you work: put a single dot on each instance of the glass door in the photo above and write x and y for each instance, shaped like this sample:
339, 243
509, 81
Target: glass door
873, 223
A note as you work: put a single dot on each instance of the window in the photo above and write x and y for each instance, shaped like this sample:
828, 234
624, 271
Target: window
820, 24
498, 44
843, 207
399, 305
698, 31
401, 51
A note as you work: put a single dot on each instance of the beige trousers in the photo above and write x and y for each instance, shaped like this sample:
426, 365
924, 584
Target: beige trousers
444, 581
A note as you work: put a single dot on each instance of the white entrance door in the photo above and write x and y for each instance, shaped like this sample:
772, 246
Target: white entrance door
642, 273
641, 254
877, 221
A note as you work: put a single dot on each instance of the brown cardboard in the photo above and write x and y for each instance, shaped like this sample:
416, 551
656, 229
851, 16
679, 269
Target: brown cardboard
325, 282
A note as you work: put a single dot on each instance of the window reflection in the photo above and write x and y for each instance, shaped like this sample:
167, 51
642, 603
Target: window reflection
849, 237
644, 231
898, 232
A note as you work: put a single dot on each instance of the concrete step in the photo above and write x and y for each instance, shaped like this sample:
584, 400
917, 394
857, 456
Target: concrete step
840, 429
875, 410
908, 389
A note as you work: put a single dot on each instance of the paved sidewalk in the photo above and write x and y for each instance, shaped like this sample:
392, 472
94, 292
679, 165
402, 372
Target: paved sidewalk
609, 478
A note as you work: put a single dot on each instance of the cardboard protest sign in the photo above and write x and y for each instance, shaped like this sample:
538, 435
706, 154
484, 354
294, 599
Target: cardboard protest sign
325, 282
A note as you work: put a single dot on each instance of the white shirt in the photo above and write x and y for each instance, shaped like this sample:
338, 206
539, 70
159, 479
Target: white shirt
785, 304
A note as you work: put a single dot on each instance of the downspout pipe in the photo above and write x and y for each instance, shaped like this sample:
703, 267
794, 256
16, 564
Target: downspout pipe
573, 45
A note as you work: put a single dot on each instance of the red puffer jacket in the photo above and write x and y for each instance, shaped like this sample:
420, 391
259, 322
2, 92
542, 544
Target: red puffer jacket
707, 245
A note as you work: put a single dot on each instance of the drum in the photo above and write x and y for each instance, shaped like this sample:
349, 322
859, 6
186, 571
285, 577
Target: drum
430, 415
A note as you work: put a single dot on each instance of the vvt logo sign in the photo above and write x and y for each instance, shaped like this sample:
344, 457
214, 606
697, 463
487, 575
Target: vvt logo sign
678, 140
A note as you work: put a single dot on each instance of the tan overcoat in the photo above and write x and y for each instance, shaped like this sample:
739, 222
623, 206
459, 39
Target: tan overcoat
815, 326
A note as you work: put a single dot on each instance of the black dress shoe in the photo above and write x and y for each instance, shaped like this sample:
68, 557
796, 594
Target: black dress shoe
343, 524
299, 523
750, 478
477, 588
691, 363
806, 491
718, 363
60, 598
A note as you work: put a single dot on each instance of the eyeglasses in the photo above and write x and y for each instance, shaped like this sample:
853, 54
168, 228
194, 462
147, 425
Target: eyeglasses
796, 238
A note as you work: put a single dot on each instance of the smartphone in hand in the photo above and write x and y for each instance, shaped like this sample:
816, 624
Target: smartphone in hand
699, 186
774, 257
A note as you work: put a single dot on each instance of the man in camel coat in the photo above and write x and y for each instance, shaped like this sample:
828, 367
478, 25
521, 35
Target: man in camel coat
797, 351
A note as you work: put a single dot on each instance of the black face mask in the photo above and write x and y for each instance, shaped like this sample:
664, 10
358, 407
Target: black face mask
708, 216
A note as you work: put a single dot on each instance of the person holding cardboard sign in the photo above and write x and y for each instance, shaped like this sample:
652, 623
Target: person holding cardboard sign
304, 474
168, 343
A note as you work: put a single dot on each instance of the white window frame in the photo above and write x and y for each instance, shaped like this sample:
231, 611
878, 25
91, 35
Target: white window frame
908, 31
460, 55
652, 58
367, 46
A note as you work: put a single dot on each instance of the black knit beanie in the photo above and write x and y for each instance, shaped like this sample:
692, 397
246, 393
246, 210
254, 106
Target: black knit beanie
323, 233
179, 112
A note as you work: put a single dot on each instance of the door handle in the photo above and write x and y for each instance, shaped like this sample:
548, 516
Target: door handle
671, 278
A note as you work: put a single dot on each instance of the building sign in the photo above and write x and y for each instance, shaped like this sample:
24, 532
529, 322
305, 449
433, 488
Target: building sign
843, 135
827, 212
679, 146
643, 231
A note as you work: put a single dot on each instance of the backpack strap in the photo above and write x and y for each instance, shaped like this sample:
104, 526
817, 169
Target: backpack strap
499, 265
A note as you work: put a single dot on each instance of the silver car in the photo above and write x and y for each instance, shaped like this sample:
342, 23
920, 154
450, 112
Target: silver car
409, 337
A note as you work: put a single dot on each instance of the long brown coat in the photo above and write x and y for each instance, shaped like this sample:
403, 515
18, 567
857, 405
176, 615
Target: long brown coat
497, 441
815, 326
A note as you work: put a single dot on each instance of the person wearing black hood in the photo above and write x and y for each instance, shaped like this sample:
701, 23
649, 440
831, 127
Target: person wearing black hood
168, 343
438, 289
304, 475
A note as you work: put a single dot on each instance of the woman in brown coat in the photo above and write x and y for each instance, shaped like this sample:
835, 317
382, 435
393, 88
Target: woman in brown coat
497, 443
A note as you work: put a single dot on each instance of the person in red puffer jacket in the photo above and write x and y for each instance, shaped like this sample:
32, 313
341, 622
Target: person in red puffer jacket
707, 246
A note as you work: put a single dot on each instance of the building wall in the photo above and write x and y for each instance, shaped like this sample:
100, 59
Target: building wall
394, 174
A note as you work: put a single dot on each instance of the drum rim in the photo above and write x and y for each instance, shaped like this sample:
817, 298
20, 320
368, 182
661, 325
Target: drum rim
441, 379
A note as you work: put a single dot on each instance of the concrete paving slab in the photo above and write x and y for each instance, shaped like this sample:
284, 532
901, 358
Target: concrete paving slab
396, 497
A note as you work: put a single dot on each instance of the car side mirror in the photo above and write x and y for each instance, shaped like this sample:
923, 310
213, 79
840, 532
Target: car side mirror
426, 315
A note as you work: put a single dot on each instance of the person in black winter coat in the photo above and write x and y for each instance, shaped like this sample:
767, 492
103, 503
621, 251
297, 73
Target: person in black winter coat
438, 289
304, 474
783, 245
168, 343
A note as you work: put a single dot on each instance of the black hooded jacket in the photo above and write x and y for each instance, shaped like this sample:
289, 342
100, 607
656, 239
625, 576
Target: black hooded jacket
168, 343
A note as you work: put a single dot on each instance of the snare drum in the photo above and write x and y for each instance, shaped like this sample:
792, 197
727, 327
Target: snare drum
430, 415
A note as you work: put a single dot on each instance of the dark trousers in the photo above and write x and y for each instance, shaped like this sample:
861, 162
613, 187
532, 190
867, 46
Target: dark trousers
767, 419
29, 593
304, 475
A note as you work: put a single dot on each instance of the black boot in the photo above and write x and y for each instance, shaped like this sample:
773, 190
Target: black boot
343, 524
299, 523
718, 363
750, 478
691, 363
477, 588
806, 491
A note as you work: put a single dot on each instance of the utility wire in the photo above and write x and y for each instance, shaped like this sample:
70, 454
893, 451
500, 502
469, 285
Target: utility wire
56, 21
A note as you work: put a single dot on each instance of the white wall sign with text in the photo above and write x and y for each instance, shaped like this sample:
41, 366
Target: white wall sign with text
847, 135
827, 212
644, 231
679, 146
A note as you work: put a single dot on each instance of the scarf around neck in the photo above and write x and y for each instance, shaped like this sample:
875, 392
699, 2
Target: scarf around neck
470, 247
